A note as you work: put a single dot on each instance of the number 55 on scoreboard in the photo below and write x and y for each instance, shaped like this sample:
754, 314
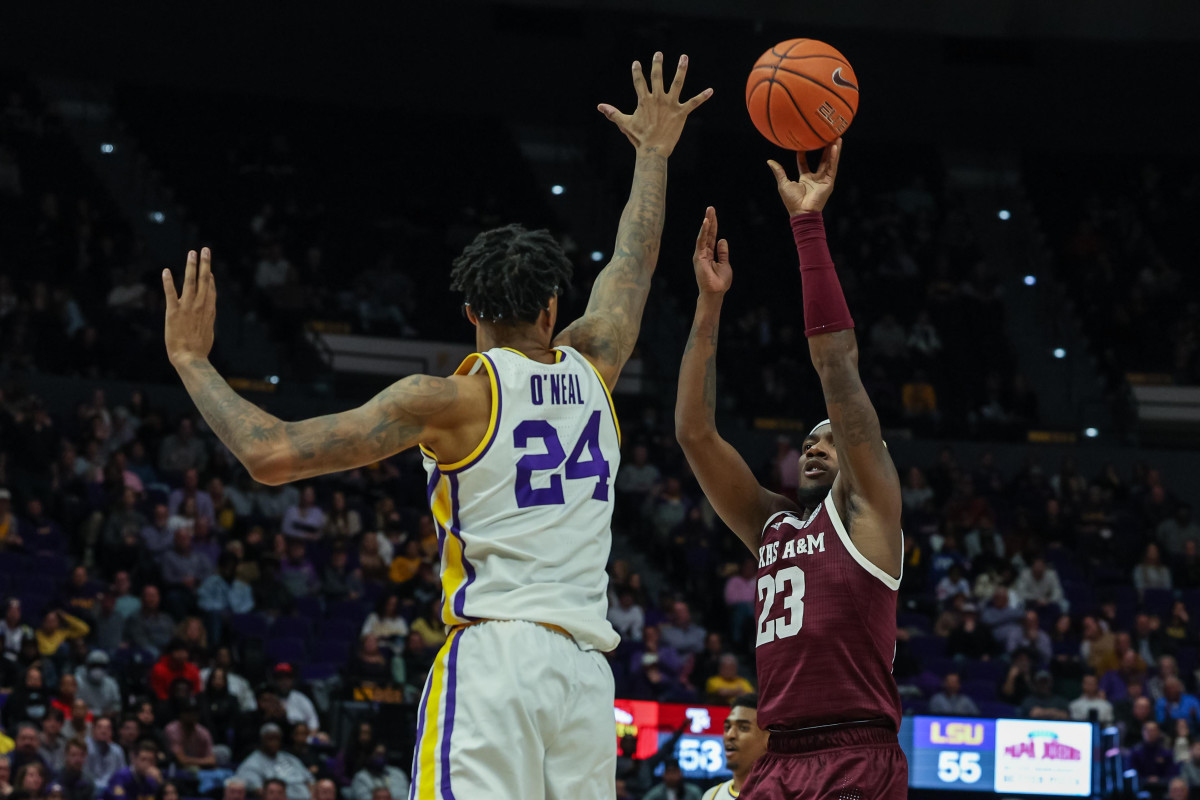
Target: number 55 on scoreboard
951, 753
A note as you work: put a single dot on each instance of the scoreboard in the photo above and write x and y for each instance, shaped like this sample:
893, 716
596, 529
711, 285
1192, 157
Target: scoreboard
700, 750
1017, 756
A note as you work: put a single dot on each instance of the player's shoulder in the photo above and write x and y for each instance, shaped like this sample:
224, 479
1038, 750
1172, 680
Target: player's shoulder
719, 792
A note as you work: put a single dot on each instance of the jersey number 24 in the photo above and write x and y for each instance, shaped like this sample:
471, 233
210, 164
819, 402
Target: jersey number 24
575, 469
788, 583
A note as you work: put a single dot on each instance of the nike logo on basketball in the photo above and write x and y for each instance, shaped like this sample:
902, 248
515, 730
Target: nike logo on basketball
840, 81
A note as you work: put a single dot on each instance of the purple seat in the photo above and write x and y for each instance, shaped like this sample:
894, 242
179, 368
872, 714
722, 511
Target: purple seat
349, 610
291, 651
1158, 601
339, 630
912, 619
979, 690
993, 670
249, 626
318, 671
996, 709
291, 628
924, 648
309, 607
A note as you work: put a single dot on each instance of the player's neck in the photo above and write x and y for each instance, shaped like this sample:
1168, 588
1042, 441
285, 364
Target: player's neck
529, 340
739, 780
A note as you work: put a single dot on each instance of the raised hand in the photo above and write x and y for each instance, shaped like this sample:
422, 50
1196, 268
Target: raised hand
714, 275
192, 314
658, 119
811, 190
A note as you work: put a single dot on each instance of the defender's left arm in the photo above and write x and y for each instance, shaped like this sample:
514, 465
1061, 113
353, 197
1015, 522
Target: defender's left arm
608, 330
867, 490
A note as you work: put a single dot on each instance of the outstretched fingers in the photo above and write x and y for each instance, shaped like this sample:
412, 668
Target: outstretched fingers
723, 251
639, 80
829, 159
656, 78
169, 290
698, 100
204, 278
802, 162
680, 74
781, 177
189, 278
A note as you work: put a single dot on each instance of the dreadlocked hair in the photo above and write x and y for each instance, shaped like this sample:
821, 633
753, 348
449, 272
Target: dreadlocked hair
508, 275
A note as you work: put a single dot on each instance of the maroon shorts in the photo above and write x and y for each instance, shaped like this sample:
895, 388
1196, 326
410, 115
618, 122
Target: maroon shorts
847, 764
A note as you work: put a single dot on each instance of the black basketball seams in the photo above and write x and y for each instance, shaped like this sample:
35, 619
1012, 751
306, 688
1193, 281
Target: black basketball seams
810, 79
799, 110
801, 58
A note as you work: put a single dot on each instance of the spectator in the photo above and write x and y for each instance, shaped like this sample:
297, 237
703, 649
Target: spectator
1091, 705
1168, 668
652, 644
325, 789
406, 563
1190, 769
627, 617
239, 687
127, 603
6, 776
27, 746
681, 634
969, 639
637, 478
150, 630
269, 762
31, 782
79, 724
983, 539
190, 743
376, 774
29, 701
1174, 533
76, 785
10, 536
888, 339
1098, 648
222, 595
1031, 637
1042, 702
727, 684
386, 622
919, 399
1151, 573
104, 758
1175, 704
1151, 759
954, 584
1131, 716
183, 570
52, 745
219, 709
235, 789
430, 625
1177, 789
13, 630
1003, 615
182, 451
950, 701
201, 500
301, 748
1178, 630
1039, 587
1130, 670
305, 520
651, 681
297, 571
40, 533
785, 467
172, 666
141, 779
1018, 682
57, 628
672, 786
1145, 638
338, 582
342, 522
159, 536
916, 491
108, 627
300, 708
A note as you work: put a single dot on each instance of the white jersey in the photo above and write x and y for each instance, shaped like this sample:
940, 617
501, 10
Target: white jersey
722, 791
523, 521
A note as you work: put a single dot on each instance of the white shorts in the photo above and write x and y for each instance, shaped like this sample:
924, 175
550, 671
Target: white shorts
512, 709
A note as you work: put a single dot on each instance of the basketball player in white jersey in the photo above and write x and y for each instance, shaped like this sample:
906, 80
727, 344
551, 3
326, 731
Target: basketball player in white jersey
521, 444
745, 742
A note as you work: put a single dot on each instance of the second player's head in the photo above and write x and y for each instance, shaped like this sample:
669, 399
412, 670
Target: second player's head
818, 465
744, 740
511, 278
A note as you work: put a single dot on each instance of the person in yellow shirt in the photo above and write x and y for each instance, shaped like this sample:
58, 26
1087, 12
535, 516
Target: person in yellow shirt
405, 565
430, 626
9, 540
57, 627
726, 685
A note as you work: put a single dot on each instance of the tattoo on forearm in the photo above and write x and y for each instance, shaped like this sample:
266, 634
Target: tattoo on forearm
392, 421
704, 336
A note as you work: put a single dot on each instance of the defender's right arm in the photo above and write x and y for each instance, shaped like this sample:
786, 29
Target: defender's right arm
738, 498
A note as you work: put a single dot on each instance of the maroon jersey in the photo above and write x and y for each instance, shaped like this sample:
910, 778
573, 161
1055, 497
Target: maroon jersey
826, 626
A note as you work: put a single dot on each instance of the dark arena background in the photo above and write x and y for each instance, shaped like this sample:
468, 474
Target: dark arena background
1014, 227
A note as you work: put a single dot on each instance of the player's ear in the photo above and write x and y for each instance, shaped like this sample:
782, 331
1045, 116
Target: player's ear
552, 310
470, 315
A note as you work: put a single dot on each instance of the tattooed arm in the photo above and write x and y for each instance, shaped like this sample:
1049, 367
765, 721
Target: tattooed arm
726, 479
608, 330
416, 409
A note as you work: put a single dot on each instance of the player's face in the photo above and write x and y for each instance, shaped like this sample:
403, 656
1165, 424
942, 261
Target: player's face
744, 740
818, 459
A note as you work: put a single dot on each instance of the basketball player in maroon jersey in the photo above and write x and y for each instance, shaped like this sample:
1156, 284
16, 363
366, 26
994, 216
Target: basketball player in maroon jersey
829, 565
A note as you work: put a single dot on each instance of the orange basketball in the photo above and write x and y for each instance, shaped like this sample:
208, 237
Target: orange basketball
802, 94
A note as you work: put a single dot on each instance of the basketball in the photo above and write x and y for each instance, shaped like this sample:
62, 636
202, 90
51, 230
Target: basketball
802, 94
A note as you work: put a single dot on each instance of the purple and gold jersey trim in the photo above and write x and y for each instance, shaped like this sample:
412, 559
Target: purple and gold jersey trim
493, 420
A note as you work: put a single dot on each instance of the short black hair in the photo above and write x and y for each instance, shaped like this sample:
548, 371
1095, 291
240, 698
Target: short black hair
508, 275
748, 700
279, 781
